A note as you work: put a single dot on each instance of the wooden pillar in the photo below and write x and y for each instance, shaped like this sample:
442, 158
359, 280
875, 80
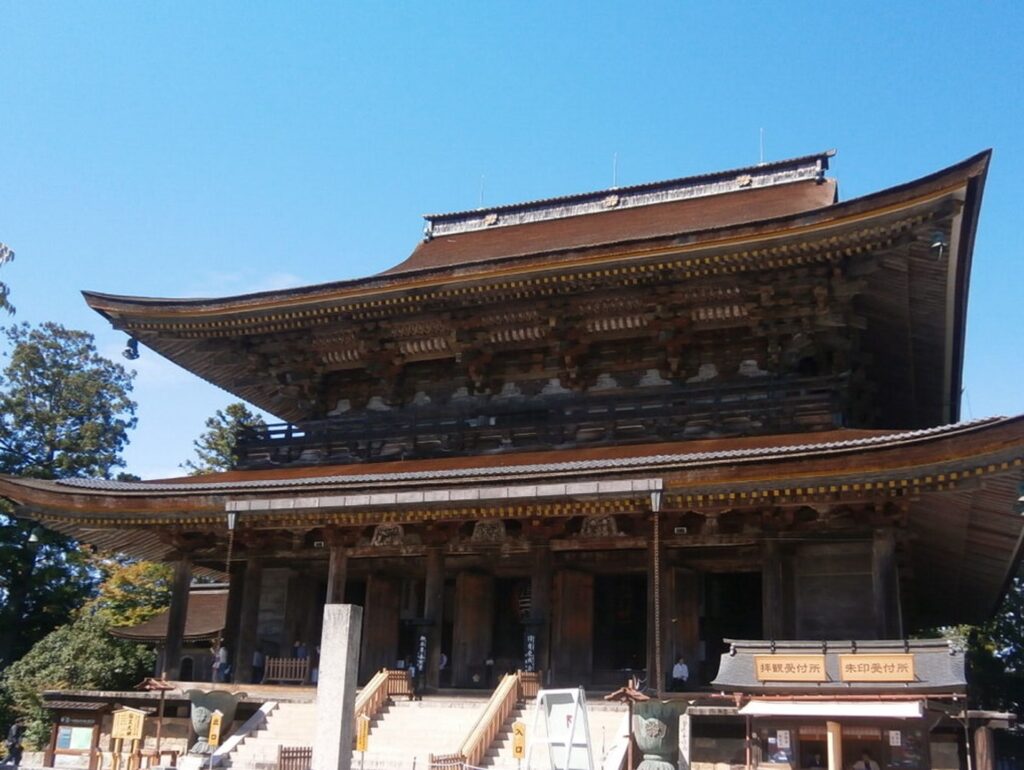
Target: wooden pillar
433, 612
472, 628
683, 621
236, 581
572, 628
380, 624
248, 619
177, 615
984, 749
337, 574
885, 585
540, 606
835, 745
772, 609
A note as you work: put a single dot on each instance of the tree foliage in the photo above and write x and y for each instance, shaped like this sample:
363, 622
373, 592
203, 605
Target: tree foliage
215, 448
65, 412
6, 255
132, 592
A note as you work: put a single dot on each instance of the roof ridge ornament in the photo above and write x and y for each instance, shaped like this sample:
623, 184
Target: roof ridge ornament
808, 167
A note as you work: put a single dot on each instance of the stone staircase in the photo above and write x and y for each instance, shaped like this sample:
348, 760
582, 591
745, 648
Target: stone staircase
607, 722
401, 735
406, 732
289, 724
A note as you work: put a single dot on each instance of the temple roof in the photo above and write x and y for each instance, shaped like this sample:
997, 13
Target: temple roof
960, 484
937, 667
759, 218
207, 608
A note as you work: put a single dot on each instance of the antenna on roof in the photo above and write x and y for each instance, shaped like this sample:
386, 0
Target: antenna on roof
761, 163
615, 170
480, 200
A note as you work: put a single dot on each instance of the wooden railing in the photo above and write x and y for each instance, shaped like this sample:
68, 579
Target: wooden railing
511, 690
375, 693
294, 757
294, 670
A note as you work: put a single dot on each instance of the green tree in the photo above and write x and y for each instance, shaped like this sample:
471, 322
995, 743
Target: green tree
83, 654
6, 255
132, 591
215, 448
65, 412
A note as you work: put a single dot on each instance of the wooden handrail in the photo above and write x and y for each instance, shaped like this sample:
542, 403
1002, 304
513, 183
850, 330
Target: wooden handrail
375, 694
512, 689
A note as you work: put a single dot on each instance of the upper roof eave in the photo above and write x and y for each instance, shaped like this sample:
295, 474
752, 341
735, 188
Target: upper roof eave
113, 306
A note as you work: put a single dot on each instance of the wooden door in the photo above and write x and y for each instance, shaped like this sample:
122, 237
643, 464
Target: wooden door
572, 632
380, 624
473, 629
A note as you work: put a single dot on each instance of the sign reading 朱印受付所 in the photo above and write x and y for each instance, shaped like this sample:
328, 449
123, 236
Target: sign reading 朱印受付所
897, 667
790, 668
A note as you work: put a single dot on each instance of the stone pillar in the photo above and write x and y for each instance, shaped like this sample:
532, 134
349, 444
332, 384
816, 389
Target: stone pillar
540, 606
177, 615
248, 619
886, 586
336, 688
337, 574
771, 591
433, 612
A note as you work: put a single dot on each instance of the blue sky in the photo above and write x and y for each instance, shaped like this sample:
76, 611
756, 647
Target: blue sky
202, 149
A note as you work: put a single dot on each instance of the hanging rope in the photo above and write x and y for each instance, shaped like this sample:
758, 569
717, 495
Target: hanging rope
227, 565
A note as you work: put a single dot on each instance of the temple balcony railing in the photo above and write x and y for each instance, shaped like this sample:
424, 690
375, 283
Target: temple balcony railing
475, 426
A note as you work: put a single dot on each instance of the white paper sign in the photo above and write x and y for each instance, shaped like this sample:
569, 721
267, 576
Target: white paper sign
895, 738
783, 738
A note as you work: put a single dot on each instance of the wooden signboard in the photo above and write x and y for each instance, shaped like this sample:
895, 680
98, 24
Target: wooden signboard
519, 740
215, 721
790, 668
128, 724
362, 733
897, 667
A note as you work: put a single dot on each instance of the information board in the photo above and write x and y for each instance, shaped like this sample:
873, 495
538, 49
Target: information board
128, 724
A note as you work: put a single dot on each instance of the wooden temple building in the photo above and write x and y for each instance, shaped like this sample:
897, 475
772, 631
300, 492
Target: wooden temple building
588, 435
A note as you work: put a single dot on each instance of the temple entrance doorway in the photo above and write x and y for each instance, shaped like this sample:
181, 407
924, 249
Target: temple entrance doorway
732, 610
512, 607
620, 628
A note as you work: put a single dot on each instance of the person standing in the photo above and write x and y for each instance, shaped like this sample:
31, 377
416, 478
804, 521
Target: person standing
865, 762
258, 663
14, 738
680, 675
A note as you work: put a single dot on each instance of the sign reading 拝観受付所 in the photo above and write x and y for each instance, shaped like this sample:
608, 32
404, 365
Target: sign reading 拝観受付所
897, 667
790, 668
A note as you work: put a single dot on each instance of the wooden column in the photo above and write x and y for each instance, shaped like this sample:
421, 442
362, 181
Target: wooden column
433, 611
234, 608
248, 618
572, 628
177, 615
885, 585
540, 605
683, 621
473, 628
380, 624
984, 749
337, 574
772, 609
